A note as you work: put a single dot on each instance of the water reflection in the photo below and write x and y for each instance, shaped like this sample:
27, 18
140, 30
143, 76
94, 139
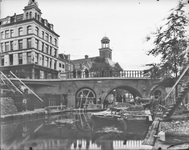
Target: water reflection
73, 131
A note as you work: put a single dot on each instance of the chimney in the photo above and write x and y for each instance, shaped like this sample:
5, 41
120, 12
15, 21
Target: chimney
86, 56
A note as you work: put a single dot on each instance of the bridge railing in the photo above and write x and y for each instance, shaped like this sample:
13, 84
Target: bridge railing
104, 73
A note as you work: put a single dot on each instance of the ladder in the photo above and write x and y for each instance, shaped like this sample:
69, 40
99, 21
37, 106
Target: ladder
182, 94
9, 83
22, 83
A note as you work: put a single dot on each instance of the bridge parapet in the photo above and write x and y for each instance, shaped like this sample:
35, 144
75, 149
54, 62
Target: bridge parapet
103, 73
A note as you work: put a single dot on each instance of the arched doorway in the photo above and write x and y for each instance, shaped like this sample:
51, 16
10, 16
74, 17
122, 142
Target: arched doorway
83, 96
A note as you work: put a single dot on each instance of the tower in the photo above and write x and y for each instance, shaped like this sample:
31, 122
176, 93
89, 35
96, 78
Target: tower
105, 51
32, 11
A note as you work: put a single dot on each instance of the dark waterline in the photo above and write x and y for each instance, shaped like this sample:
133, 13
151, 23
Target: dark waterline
73, 131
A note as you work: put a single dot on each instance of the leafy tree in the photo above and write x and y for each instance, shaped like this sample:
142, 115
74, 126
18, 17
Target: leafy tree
170, 43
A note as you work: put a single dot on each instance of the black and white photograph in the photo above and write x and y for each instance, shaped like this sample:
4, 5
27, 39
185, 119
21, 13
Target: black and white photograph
94, 74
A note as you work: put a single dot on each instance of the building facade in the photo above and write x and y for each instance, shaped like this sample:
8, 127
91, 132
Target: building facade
97, 64
29, 45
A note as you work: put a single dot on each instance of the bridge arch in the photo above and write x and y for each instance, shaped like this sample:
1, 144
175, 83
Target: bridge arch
134, 92
83, 95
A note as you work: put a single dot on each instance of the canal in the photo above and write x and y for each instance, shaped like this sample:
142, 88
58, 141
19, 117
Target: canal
73, 131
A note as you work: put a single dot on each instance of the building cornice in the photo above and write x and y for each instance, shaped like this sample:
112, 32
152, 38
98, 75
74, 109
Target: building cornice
28, 20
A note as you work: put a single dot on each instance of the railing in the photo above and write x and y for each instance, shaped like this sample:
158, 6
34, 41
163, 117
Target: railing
176, 83
97, 74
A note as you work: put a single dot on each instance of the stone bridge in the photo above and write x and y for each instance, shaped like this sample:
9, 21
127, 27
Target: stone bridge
94, 88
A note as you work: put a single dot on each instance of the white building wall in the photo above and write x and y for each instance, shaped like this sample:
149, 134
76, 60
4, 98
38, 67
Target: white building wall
6, 60
24, 43
24, 58
15, 59
40, 60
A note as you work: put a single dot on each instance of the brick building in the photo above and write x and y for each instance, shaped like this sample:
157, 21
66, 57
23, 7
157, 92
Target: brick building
29, 45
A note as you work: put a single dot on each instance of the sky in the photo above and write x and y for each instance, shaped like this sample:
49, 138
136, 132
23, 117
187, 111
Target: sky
82, 24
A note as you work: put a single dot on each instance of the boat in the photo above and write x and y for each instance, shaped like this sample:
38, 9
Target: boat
122, 113
108, 115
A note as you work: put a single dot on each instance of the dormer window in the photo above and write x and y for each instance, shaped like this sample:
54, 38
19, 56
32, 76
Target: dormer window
45, 22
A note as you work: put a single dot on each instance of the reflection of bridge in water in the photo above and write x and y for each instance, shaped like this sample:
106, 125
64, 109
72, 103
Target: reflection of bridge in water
109, 145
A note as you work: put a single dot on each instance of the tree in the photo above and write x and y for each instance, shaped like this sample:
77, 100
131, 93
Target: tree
170, 43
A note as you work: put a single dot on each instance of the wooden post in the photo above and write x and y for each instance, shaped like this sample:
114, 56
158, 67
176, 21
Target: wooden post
150, 139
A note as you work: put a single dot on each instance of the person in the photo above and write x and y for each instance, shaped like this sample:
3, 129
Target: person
65, 101
86, 73
102, 72
24, 104
79, 74
105, 104
74, 73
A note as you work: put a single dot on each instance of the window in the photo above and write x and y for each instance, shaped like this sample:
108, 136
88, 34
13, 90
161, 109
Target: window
43, 34
50, 51
7, 34
50, 62
29, 57
20, 44
55, 52
27, 15
6, 46
11, 45
2, 35
37, 31
55, 42
55, 64
2, 49
20, 31
36, 58
36, 44
47, 37
42, 47
47, 62
29, 30
42, 60
11, 59
60, 65
20, 58
47, 48
11, 33
2, 60
29, 43
50, 39
35, 15
30, 15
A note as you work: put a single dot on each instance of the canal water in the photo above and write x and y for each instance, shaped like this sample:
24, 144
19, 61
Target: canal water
73, 131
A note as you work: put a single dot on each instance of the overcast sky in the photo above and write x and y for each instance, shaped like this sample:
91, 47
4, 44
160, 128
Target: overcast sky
81, 25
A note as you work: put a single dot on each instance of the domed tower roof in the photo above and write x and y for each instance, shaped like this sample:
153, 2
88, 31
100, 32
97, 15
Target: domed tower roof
105, 40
